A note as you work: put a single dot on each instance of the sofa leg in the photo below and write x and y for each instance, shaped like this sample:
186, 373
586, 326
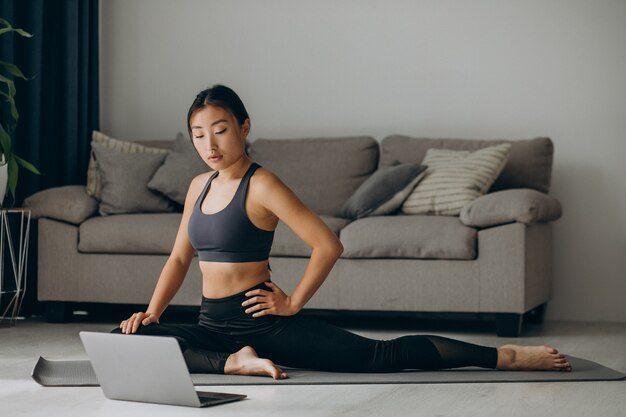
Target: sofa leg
536, 315
508, 324
57, 312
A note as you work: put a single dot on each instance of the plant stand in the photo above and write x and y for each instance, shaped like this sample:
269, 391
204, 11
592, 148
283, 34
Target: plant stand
18, 257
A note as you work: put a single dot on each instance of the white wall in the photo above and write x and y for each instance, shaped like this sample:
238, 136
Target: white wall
479, 69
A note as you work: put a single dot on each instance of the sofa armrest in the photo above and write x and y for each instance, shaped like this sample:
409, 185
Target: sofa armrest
69, 203
523, 205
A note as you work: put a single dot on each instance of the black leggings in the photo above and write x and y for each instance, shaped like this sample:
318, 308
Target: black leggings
304, 342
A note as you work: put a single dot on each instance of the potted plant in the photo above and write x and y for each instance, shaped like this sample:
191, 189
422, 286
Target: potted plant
8, 160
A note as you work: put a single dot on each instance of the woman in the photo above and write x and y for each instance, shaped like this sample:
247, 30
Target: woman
229, 218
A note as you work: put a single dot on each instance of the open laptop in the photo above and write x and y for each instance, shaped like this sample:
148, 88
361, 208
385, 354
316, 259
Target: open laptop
147, 369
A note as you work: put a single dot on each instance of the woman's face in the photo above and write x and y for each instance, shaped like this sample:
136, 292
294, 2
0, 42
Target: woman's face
216, 133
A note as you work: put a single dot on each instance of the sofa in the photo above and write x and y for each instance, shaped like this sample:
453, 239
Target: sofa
492, 260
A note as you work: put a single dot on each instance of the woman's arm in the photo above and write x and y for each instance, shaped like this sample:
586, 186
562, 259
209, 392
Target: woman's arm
280, 200
320, 264
178, 263
169, 283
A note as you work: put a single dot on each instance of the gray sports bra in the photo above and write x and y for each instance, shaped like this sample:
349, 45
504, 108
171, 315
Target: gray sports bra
228, 235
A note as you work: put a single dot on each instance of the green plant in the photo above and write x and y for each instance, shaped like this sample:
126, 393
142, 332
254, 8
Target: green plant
6, 127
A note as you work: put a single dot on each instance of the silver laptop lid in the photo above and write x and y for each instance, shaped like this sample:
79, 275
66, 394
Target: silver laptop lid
132, 367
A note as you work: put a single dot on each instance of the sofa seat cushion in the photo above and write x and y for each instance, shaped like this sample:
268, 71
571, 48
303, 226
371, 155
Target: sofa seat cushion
145, 233
409, 236
287, 243
155, 233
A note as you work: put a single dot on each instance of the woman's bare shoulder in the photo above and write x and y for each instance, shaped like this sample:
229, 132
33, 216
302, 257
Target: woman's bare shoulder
265, 179
203, 176
197, 183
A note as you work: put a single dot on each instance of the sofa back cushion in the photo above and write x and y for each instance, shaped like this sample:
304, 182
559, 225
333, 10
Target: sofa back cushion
323, 172
529, 164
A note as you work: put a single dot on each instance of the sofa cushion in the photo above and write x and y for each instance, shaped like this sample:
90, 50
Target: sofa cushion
155, 233
145, 233
529, 164
323, 172
520, 205
94, 183
181, 165
124, 178
287, 243
69, 203
404, 236
384, 191
455, 178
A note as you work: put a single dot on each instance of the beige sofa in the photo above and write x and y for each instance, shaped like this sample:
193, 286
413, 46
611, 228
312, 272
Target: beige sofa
494, 259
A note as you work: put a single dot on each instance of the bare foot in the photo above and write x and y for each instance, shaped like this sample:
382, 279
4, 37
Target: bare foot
247, 362
528, 358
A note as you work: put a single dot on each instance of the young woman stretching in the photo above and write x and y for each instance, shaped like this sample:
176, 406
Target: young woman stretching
229, 218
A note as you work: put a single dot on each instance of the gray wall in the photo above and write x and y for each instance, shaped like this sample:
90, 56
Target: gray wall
480, 69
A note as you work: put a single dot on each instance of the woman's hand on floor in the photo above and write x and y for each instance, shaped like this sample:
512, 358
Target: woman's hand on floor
132, 324
274, 302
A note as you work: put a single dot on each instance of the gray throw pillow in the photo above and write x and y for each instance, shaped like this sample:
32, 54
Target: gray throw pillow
69, 203
124, 178
181, 165
384, 191
94, 185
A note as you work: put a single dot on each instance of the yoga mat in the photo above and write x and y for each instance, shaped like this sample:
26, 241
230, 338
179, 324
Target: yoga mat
62, 373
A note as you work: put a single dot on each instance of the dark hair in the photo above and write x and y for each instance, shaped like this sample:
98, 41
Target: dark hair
221, 96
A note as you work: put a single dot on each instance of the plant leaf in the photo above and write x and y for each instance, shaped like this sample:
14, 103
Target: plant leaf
27, 165
24, 33
10, 28
13, 69
5, 141
10, 98
12, 173
10, 84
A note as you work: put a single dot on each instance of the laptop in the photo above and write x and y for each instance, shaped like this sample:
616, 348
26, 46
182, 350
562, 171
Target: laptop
151, 369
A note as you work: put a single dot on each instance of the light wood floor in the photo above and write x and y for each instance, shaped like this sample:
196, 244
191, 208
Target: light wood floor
604, 343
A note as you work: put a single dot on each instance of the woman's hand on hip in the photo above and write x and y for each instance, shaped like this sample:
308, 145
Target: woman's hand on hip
132, 323
274, 302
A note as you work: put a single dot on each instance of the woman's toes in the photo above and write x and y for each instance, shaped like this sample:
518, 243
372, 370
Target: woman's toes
551, 349
273, 370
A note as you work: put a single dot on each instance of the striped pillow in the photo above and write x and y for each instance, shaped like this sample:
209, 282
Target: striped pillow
94, 185
455, 178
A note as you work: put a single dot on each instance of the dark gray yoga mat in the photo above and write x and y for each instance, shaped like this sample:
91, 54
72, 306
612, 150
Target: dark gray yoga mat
80, 373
